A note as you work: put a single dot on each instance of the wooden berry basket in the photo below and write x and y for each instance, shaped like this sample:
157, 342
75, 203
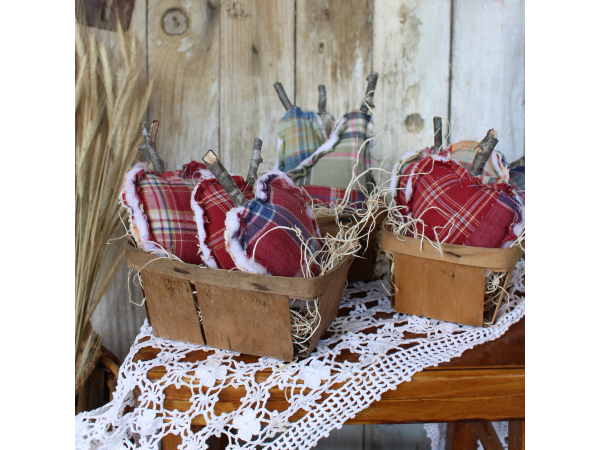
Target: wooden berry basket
449, 287
243, 312
362, 267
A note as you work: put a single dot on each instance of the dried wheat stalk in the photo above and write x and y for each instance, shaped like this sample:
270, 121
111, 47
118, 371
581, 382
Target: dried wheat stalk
110, 101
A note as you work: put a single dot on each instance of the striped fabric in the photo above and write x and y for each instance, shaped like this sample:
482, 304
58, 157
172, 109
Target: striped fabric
300, 134
215, 203
334, 169
165, 202
457, 208
323, 195
278, 203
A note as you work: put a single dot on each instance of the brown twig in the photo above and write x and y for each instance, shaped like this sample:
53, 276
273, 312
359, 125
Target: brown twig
322, 98
149, 145
372, 79
223, 177
437, 132
254, 162
484, 151
283, 96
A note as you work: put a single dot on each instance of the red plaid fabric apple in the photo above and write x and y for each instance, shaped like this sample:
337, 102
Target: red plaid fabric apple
457, 208
210, 204
160, 216
253, 239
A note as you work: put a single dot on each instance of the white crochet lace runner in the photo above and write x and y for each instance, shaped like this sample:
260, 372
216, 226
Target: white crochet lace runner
309, 384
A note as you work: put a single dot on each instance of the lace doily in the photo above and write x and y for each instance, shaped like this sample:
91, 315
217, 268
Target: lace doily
311, 385
436, 432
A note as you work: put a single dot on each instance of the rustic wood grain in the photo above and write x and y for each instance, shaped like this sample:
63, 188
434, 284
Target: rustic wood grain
487, 436
411, 52
496, 259
333, 47
171, 305
257, 49
439, 289
490, 95
461, 436
185, 70
298, 287
516, 435
246, 321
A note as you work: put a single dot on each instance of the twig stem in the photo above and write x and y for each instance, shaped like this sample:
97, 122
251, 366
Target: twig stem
223, 177
322, 98
437, 132
372, 79
149, 145
283, 96
254, 162
484, 151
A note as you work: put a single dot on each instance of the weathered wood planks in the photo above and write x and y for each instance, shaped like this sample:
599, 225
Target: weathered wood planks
412, 55
488, 73
333, 47
183, 61
257, 49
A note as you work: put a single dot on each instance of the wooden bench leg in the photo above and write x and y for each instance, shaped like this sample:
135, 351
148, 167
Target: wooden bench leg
487, 436
516, 435
460, 436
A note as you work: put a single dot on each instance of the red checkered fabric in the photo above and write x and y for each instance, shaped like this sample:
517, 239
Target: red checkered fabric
193, 171
211, 203
457, 208
255, 243
160, 212
323, 195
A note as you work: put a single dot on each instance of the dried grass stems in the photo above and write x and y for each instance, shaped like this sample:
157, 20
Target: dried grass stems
494, 293
305, 320
110, 101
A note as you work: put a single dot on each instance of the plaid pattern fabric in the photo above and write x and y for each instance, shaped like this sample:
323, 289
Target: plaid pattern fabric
215, 203
301, 134
280, 252
193, 171
323, 195
457, 208
517, 180
463, 153
328, 121
334, 169
165, 202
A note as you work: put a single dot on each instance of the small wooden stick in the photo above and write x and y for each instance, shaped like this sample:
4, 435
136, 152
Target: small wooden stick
372, 79
149, 145
223, 177
437, 132
254, 162
484, 151
322, 98
283, 96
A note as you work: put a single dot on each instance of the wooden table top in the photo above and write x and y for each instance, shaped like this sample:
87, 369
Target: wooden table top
485, 383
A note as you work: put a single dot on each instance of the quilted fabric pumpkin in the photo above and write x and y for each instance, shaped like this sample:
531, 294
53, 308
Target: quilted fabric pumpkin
160, 216
278, 203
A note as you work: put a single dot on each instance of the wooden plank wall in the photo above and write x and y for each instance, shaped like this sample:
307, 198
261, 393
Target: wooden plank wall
213, 82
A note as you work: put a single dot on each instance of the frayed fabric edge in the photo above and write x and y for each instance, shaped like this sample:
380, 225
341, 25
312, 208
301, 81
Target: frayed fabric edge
207, 256
234, 247
138, 222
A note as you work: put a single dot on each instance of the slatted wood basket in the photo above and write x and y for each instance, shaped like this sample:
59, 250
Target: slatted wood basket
244, 312
449, 287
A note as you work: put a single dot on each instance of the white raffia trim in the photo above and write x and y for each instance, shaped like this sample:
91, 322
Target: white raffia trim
327, 146
207, 256
138, 222
233, 246
320, 122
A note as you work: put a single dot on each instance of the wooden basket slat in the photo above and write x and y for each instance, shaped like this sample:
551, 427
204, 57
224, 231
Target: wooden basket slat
170, 303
